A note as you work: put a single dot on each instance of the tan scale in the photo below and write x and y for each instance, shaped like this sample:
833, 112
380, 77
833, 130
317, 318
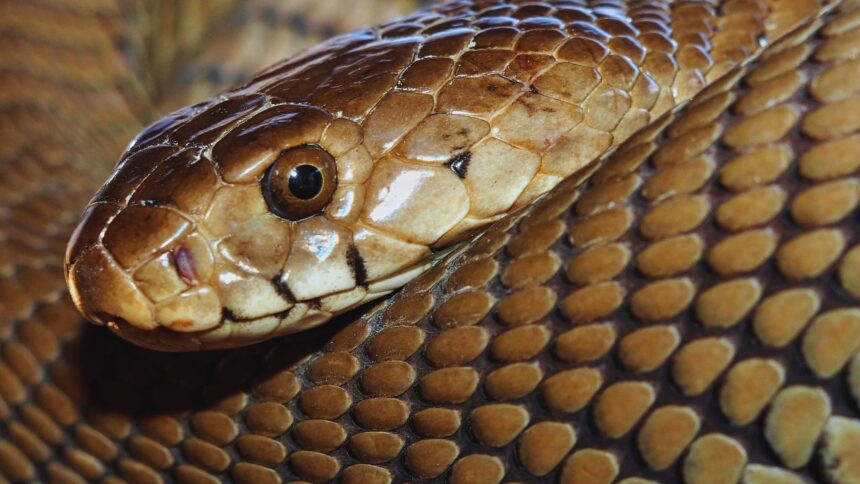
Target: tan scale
330, 404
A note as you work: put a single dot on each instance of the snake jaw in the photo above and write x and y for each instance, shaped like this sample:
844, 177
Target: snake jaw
234, 275
190, 295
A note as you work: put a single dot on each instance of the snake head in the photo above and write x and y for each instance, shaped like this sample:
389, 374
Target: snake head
328, 180
207, 238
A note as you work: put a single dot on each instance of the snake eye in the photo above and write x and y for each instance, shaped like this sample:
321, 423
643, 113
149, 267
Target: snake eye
300, 183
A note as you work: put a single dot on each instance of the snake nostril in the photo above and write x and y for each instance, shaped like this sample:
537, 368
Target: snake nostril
183, 259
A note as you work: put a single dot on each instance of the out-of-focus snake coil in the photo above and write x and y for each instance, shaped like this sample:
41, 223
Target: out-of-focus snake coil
682, 309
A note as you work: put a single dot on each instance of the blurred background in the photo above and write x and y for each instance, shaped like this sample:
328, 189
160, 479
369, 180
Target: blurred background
79, 78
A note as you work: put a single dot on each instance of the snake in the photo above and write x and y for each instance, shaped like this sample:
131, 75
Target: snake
620, 237
330, 179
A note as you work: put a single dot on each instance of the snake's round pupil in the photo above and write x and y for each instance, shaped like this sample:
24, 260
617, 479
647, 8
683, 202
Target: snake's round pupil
300, 182
305, 181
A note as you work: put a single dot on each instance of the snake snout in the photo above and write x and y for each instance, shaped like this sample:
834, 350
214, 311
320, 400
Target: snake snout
104, 294
144, 266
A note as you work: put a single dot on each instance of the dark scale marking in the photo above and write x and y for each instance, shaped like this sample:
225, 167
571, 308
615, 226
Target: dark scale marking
227, 315
283, 290
460, 163
356, 263
283, 314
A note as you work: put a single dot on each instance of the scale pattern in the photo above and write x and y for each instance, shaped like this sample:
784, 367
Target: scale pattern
688, 313
486, 104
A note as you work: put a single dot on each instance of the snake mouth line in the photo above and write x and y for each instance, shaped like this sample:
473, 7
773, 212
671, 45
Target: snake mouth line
232, 330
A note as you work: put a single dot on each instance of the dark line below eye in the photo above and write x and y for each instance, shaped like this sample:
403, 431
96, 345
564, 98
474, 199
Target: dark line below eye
283, 290
460, 163
227, 314
356, 263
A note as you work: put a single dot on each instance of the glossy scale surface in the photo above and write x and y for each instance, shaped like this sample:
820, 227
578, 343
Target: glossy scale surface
439, 123
685, 312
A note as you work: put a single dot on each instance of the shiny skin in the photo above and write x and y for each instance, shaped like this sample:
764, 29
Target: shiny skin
439, 123
687, 313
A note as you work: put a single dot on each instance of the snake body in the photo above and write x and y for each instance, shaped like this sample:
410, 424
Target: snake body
420, 132
680, 305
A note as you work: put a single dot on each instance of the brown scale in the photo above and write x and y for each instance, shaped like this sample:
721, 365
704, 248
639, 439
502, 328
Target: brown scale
713, 347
